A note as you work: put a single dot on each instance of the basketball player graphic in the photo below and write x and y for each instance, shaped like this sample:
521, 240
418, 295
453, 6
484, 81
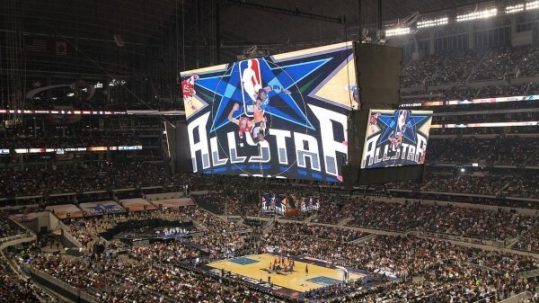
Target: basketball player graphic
373, 120
255, 127
263, 203
272, 202
259, 119
255, 99
354, 94
245, 124
188, 90
401, 123
251, 82
397, 134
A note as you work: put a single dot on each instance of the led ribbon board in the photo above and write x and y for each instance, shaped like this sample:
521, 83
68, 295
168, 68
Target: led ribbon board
281, 116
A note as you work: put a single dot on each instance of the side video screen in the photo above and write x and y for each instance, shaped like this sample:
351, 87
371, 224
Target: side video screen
282, 116
396, 138
288, 204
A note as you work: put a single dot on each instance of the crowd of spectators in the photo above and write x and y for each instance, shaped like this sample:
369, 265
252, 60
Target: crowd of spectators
524, 115
503, 183
524, 186
438, 69
524, 130
13, 289
404, 269
446, 219
334, 209
463, 92
449, 76
105, 175
221, 237
486, 224
87, 231
248, 205
8, 228
247, 202
478, 183
82, 177
79, 177
298, 231
151, 273
500, 150
471, 66
125, 279
122, 99
78, 140
449, 273
529, 241
510, 183
171, 271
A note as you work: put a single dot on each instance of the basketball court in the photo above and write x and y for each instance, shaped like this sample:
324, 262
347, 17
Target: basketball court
256, 268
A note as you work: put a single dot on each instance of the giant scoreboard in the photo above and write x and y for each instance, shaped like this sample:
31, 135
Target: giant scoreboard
396, 138
287, 115
281, 116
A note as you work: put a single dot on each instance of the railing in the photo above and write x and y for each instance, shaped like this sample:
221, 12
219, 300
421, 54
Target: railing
491, 297
69, 292
362, 239
529, 274
68, 235
518, 298
453, 237
23, 238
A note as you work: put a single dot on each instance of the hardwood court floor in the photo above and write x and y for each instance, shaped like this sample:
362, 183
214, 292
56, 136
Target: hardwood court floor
254, 266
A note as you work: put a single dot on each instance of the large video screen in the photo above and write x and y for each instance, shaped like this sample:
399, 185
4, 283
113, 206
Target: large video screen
276, 203
281, 116
396, 138
288, 205
309, 204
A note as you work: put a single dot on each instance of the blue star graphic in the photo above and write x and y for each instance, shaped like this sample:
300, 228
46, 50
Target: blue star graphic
389, 124
227, 90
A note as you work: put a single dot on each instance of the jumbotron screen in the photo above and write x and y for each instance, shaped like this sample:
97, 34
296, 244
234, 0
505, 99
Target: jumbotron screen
288, 204
396, 138
281, 116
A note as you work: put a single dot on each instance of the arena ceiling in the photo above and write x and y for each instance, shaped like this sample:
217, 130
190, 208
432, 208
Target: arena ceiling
135, 20
138, 20
148, 36
273, 23
392, 9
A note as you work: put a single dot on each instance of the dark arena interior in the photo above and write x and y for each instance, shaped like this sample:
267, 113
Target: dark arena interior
251, 151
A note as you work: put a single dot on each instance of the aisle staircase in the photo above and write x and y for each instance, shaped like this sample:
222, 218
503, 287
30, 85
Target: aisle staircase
364, 239
521, 297
503, 188
345, 221
311, 218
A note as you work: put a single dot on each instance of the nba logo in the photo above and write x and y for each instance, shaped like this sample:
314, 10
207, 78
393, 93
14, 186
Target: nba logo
402, 121
251, 83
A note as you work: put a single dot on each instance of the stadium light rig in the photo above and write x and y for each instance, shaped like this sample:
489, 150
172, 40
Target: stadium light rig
513, 9
532, 5
484, 14
476, 15
397, 31
432, 22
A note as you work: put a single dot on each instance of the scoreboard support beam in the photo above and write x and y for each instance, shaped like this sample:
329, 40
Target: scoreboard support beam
284, 11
